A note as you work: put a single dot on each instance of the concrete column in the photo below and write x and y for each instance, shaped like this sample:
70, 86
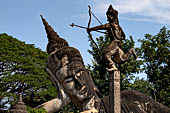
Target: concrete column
114, 92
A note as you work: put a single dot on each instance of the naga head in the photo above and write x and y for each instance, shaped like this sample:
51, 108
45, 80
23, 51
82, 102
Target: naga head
54, 41
112, 14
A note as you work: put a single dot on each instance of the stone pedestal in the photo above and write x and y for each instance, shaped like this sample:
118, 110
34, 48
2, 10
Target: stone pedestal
114, 92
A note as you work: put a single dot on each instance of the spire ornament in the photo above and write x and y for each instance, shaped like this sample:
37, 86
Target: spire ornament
54, 41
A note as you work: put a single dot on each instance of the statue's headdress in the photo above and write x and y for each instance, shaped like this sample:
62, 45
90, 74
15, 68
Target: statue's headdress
112, 15
111, 11
54, 40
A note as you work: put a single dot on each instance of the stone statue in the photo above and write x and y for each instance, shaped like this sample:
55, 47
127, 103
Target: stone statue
19, 107
114, 55
73, 83
116, 35
66, 69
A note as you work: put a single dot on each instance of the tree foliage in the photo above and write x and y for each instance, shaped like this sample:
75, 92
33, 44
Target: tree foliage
70, 108
156, 54
41, 110
22, 71
143, 86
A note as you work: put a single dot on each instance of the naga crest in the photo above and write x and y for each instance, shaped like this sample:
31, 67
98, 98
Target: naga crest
55, 43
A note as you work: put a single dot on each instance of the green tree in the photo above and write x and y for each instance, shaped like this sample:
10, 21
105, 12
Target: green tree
98, 67
22, 71
156, 54
41, 110
143, 86
70, 108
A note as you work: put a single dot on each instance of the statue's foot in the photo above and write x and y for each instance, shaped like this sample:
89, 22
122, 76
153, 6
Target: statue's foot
113, 68
111, 62
93, 110
117, 41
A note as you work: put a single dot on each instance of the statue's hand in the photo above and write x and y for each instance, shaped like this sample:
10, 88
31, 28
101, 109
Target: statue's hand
88, 30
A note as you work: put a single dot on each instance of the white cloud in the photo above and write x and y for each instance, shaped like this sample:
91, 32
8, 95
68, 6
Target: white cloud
157, 10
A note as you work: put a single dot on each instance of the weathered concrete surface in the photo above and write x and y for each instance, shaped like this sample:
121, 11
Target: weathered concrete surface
114, 92
117, 101
20, 107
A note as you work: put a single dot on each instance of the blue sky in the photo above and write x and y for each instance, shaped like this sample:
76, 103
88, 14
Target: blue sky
20, 18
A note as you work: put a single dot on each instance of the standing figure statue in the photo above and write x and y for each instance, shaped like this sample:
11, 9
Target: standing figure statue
116, 35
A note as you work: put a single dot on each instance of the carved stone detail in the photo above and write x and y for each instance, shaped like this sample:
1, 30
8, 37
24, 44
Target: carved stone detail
20, 107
